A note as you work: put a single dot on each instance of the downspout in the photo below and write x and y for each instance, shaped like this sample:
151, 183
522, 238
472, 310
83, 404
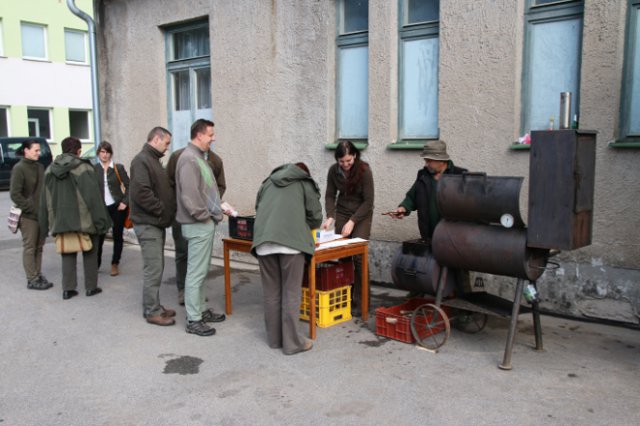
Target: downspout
71, 4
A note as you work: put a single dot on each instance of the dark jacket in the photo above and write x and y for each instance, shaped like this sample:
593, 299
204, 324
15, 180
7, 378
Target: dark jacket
114, 183
151, 198
71, 199
287, 209
214, 161
356, 205
27, 178
422, 197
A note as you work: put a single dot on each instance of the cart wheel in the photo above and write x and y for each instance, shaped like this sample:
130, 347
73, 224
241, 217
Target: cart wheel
470, 322
430, 326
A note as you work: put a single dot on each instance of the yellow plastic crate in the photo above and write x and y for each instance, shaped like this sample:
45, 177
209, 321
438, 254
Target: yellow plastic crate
332, 307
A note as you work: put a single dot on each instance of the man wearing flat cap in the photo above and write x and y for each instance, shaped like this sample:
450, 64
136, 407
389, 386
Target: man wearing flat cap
422, 195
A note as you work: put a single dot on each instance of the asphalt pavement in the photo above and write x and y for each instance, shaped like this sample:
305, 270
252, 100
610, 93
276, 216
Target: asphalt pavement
95, 361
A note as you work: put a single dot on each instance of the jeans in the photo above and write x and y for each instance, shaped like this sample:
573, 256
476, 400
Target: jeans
151, 239
200, 239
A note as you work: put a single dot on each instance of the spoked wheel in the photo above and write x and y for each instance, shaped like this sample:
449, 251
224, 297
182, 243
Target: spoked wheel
430, 326
470, 322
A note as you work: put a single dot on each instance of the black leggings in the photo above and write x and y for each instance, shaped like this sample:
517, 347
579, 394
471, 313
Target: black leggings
117, 217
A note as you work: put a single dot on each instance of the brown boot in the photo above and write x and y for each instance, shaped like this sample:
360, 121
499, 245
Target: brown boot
114, 270
161, 320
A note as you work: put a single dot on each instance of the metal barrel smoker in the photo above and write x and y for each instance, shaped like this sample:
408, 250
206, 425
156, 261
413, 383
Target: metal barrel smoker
482, 231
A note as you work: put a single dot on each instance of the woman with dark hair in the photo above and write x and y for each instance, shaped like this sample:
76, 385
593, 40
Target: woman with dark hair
26, 184
114, 179
349, 202
287, 209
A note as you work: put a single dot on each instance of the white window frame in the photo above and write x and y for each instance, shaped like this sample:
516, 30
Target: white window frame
89, 124
44, 41
1, 38
35, 120
85, 45
7, 110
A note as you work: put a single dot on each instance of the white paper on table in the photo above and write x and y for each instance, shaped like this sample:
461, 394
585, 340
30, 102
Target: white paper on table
339, 243
326, 236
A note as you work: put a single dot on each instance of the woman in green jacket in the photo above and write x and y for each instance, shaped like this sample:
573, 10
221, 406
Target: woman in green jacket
287, 209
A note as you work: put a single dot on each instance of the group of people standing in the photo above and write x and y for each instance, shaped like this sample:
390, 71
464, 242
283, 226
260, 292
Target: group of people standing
75, 196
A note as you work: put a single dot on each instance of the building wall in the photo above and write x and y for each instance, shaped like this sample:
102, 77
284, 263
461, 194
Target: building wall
51, 83
273, 84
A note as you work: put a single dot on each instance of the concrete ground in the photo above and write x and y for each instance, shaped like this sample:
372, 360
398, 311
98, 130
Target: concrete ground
95, 361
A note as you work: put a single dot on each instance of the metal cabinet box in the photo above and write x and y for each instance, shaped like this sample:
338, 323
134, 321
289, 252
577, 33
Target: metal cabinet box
561, 182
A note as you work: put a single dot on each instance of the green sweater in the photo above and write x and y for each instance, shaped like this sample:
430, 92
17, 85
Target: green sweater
26, 183
287, 209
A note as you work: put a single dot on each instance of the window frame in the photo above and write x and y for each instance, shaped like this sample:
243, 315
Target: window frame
7, 117
85, 46
89, 124
1, 38
561, 10
346, 40
631, 43
50, 116
408, 32
45, 39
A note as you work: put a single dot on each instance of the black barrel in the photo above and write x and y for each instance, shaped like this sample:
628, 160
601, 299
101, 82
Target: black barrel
476, 197
414, 269
487, 248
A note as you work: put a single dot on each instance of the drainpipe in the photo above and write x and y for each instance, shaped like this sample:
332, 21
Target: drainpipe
71, 4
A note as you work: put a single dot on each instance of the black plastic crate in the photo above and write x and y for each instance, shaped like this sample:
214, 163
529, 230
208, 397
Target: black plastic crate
241, 227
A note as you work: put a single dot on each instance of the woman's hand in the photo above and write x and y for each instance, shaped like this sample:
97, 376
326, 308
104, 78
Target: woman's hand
327, 223
347, 229
122, 206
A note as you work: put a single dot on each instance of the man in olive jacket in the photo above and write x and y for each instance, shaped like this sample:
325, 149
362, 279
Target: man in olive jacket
153, 208
287, 209
72, 202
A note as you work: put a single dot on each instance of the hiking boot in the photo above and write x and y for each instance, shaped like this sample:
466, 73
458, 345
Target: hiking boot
181, 297
200, 328
45, 280
210, 316
114, 270
160, 320
38, 284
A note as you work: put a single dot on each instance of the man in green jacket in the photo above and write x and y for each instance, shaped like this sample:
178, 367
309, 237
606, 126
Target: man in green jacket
72, 202
287, 209
26, 184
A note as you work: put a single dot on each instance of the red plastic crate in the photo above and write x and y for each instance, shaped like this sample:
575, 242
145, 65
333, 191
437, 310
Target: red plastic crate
330, 275
395, 322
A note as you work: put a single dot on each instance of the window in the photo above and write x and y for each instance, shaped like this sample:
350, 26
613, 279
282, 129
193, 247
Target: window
631, 84
552, 61
39, 123
418, 68
79, 124
75, 46
34, 41
353, 70
189, 75
1, 40
4, 121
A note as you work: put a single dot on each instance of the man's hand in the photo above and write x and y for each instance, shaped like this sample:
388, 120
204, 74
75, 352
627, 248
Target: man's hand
398, 213
122, 206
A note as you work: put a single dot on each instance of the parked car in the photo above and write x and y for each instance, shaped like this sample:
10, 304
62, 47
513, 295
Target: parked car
9, 156
91, 155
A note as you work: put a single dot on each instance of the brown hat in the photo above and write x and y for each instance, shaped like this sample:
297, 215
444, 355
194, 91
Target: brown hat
436, 150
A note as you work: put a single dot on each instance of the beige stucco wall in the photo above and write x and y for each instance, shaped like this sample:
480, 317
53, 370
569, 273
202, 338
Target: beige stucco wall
273, 89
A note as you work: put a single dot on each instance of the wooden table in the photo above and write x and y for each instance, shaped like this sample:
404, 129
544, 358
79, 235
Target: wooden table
321, 255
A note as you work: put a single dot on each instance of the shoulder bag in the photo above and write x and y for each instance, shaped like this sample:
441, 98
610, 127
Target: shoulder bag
73, 242
13, 221
127, 220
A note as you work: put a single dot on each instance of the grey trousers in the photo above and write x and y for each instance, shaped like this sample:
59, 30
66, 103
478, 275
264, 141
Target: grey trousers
151, 239
89, 263
282, 287
31, 247
182, 254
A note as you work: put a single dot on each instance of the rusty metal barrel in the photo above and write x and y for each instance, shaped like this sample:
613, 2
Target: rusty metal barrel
487, 248
476, 197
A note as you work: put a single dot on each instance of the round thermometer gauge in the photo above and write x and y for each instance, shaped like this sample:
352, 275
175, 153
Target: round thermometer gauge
506, 220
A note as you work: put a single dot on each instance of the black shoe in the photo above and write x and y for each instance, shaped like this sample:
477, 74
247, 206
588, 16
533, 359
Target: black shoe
200, 328
210, 316
95, 291
68, 294
39, 284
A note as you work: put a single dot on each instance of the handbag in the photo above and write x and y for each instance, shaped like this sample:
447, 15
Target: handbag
73, 242
127, 220
13, 221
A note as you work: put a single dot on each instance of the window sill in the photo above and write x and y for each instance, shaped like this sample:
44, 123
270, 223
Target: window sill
519, 147
625, 144
408, 144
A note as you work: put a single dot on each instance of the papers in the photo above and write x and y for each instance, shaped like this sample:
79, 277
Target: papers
326, 236
338, 243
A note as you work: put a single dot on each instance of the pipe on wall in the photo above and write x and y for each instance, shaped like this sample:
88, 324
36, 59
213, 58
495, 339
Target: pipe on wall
71, 4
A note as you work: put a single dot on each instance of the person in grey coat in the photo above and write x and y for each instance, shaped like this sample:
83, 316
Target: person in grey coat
287, 209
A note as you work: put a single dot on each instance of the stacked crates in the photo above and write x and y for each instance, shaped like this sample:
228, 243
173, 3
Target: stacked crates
333, 293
